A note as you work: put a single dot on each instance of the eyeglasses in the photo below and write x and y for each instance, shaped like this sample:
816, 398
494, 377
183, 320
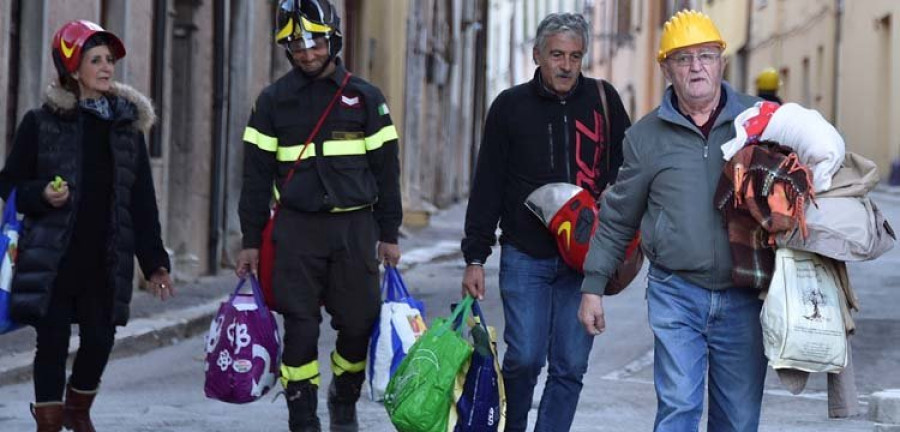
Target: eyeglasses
686, 59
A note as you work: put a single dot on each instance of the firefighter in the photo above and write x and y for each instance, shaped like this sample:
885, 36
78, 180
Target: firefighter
342, 200
767, 83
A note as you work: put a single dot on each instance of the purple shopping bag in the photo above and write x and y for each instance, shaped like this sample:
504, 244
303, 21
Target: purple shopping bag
242, 348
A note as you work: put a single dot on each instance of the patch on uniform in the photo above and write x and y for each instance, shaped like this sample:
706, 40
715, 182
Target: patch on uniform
343, 135
351, 100
383, 109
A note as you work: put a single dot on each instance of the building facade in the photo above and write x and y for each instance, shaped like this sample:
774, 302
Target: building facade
203, 62
839, 57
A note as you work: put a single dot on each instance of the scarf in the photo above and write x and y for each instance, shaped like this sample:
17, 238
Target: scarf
99, 107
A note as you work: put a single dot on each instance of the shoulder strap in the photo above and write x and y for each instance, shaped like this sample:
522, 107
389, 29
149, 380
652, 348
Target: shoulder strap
315, 131
606, 138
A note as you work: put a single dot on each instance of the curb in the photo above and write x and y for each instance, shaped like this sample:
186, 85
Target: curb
424, 255
139, 336
168, 328
884, 410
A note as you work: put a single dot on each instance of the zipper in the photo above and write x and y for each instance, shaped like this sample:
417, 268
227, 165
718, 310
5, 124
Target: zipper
550, 145
715, 263
566, 147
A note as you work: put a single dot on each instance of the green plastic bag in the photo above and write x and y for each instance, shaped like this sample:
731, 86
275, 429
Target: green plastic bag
420, 394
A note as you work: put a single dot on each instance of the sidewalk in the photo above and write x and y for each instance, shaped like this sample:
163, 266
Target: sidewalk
155, 323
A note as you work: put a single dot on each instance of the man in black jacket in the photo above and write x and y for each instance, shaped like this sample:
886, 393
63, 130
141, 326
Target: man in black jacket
550, 129
342, 199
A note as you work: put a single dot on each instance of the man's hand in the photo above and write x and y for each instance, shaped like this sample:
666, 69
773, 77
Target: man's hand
56, 193
590, 313
389, 254
473, 281
247, 261
161, 284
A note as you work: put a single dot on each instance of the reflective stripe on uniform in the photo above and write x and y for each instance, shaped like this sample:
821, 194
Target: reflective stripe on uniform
349, 209
261, 140
309, 371
376, 140
329, 148
291, 153
277, 196
339, 365
344, 148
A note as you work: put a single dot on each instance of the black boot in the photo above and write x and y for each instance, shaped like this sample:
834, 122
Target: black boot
342, 396
302, 401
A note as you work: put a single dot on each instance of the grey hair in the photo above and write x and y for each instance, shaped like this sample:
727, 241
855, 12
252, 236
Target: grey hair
562, 23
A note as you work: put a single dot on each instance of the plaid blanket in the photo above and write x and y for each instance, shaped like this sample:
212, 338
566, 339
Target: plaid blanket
763, 190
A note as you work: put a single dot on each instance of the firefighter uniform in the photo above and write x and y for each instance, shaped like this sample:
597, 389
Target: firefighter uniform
343, 197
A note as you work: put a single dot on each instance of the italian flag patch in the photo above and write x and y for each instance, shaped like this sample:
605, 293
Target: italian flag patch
383, 109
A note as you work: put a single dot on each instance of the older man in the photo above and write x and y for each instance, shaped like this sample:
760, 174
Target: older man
704, 326
547, 130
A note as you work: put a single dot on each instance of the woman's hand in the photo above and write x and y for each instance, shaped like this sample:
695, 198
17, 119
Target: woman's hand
56, 195
161, 284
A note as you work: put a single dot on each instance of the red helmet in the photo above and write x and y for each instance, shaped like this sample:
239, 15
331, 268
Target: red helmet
570, 212
69, 40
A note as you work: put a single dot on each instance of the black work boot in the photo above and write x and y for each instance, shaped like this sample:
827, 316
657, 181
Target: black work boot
302, 401
342, 396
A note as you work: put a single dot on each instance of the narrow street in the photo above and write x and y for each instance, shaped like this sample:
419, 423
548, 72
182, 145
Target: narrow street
163, 390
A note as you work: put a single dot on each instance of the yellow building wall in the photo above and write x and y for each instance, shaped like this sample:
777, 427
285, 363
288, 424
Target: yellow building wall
730, 17
797, 38
382, 51
628, 60
869, 79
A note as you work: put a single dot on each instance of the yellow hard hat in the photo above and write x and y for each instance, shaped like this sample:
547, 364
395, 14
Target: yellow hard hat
686, 28
768, 80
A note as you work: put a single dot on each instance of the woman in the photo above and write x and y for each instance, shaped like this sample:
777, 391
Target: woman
81, 231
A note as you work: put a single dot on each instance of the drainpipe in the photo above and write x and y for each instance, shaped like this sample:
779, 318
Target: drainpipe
161, 14
835, 87
12, 85
217, 183
745, 50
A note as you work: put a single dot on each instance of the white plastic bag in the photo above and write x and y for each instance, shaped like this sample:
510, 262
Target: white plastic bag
801, 317
401, 323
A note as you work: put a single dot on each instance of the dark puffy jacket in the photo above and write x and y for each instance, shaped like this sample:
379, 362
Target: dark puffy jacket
48, 143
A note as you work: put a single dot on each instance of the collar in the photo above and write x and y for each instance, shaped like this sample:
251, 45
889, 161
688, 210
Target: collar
723, 99
668, 112
337, 77
537, 83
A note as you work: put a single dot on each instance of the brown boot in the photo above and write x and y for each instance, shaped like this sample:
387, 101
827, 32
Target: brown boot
77, 412
48, 415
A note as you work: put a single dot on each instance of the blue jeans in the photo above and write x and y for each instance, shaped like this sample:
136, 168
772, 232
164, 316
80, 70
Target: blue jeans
699, 332
540, 303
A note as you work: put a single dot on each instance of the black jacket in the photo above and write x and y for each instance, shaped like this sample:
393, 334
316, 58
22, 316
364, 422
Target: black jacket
533, 137
353, 161
48, 143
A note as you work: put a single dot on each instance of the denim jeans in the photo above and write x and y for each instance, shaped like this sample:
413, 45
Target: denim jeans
540, 303
700, 333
